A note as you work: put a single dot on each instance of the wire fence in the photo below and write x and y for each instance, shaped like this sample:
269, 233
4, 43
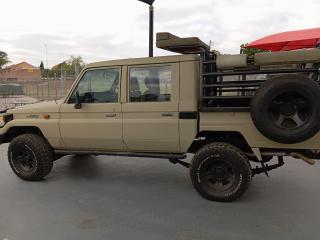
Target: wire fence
44, 90
14, 94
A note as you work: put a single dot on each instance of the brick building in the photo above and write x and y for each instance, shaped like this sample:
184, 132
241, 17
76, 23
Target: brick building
21, 72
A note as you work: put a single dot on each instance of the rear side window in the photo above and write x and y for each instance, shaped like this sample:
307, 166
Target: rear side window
98, 86
150, 84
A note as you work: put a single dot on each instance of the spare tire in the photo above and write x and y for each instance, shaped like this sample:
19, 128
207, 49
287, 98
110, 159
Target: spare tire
286, 108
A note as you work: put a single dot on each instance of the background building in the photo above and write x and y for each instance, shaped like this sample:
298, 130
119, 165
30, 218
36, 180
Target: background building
21, 72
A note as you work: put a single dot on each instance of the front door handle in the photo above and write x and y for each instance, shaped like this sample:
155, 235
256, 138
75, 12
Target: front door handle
111, 115
167, 114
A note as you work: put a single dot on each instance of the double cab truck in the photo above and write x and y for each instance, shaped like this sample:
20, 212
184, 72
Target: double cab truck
229, 111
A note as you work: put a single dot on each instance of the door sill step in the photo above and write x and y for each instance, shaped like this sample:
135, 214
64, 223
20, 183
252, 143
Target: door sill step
123, 154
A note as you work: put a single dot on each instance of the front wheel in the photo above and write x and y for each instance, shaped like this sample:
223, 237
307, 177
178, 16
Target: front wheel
220, 172
30, 157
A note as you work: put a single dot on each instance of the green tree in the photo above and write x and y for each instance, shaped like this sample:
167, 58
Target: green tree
41, 68
70, 67
77, 64
76, 61
216, 52
251, 51
3, 59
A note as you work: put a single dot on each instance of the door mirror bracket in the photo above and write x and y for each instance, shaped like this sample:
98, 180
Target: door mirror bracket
78, 104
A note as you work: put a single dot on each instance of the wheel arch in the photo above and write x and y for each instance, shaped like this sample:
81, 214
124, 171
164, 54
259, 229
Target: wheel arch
15, 131
206, 137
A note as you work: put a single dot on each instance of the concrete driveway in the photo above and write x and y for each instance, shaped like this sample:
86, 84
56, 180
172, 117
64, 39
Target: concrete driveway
131, 198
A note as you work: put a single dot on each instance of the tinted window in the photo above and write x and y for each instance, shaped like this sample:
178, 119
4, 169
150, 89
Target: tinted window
150, 84
98, 86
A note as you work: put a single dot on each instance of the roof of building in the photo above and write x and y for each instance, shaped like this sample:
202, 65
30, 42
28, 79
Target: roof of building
21, 66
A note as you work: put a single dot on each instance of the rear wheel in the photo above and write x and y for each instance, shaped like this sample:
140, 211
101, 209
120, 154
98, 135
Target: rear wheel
220, 172
30, 157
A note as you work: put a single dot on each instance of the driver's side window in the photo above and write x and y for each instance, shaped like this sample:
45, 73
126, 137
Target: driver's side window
98, 86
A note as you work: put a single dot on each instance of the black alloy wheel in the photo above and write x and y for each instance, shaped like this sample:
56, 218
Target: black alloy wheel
220, 172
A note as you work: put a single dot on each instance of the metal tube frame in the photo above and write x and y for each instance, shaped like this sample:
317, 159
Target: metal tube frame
208, 72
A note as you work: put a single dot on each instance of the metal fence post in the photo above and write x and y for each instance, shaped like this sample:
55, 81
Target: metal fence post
48, 90
62, 85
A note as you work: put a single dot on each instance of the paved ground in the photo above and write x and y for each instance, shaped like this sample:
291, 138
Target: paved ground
129, 198
15, 101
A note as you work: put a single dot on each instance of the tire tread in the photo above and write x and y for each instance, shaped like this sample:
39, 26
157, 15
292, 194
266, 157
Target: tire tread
43, 153
221, 146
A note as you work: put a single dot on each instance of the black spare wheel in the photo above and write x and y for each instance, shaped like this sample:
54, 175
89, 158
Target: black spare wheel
286, 108
30, 157
220, 172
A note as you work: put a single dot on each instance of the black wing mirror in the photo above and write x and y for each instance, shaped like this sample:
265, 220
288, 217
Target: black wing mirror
78, 104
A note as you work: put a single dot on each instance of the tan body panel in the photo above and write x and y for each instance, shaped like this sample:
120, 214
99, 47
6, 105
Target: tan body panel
34, 116
242, 123
144, 61
145, 128
49, 128
189, 92
94, 126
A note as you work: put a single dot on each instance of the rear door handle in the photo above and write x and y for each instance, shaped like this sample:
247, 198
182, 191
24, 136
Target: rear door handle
111, 115
167, 114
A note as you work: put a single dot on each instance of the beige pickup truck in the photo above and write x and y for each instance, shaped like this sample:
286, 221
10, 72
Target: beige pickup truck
228, 111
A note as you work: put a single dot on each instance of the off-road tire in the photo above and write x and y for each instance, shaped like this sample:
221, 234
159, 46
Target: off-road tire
217, 153
41, 157
303, 107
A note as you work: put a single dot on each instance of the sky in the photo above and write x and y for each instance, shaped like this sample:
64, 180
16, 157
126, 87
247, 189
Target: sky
111, 29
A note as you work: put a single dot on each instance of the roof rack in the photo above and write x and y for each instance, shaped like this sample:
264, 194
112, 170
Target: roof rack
229, 82
172, 43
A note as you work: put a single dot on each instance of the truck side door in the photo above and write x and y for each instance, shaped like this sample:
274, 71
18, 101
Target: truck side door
97, 125
151, 111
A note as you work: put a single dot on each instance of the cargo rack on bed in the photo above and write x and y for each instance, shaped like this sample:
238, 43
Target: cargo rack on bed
226, 82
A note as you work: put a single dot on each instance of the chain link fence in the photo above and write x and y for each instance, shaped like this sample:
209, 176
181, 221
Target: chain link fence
16, 94
47, 89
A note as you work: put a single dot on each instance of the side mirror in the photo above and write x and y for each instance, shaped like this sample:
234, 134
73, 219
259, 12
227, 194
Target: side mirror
78, 104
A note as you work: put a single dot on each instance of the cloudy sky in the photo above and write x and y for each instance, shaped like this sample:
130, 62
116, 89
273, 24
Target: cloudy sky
108, 29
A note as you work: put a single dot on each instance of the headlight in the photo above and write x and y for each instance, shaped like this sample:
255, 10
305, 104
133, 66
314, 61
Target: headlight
5, 118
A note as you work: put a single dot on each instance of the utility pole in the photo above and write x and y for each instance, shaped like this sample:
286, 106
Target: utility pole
47, 73
151, 24
46, 47
151, 27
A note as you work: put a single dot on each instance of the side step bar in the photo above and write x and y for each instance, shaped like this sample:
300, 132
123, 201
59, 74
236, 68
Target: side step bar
123, 154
